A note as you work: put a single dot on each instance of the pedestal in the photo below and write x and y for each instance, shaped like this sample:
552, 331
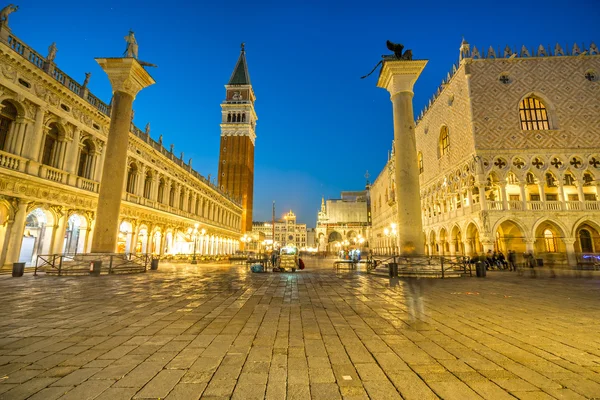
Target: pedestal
398, 78
127, 78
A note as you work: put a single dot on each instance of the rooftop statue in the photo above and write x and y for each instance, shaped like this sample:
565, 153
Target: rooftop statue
398, 55
9, 9
52, 49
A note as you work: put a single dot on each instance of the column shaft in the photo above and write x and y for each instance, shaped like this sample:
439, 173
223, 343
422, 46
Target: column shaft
111, 185
410, 225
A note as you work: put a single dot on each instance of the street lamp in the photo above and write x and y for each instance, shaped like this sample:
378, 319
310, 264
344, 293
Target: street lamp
245, 239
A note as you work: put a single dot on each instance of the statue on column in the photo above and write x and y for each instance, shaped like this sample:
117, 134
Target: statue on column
4, 13
132, 47
398, 55
52, 49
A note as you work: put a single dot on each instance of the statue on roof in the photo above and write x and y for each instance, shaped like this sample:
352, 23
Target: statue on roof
132, 47
9, 9
147, 130
87, 79
52, 49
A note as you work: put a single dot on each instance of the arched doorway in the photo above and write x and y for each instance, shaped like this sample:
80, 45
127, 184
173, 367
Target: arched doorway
142, 240
8, 116
75, 235
37, 237
457, 242
588, 238
509, 236
445, 246
473, 245
124, 239
168, 243
433, 243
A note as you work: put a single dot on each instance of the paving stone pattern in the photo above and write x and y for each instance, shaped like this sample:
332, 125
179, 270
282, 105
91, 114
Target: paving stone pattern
220, 332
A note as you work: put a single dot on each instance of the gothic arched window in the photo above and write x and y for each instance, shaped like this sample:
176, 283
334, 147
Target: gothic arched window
585, 240
420, 162
533, 114
550, 240
444, 142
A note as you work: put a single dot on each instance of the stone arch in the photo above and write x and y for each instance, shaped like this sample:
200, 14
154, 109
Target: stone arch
510, 234
37, 235
434, 247
444, 241
589, 243
125, 236
335, 236
76, 233
473, 244
549, 235
456, 240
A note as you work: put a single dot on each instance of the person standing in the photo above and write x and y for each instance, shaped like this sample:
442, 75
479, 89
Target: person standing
531, 263
512, 260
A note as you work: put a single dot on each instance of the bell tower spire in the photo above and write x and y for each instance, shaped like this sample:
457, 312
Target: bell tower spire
238, 134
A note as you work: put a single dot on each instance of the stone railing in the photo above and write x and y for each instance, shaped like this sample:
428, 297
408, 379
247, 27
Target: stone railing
535, 205
516, 205
48, 67
10, 161
573, 205
592, 206
52, 174
494, 205
87, 184
553, 205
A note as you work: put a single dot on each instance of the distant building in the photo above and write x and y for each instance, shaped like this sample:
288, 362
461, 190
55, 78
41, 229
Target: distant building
343, 222
310, 237
287, 232
509, 157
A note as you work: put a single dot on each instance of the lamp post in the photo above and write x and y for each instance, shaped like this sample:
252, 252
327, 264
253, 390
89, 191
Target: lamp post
245, 239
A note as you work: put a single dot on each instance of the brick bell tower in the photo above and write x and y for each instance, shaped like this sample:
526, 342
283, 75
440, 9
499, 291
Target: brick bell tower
238, 133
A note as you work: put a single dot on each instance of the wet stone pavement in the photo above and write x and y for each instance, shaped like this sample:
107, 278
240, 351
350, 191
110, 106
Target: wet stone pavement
218, 331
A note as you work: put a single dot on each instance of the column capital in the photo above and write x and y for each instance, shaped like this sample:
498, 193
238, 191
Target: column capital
126, 74
400, 75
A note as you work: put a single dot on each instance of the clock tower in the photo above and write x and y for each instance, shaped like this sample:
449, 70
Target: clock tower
238, 134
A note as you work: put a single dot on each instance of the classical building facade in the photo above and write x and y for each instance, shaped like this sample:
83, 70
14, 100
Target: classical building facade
342, 222
509, 156
238, 134
287, 231
52, 137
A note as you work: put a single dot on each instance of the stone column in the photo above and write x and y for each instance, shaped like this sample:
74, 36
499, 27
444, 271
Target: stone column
523, 196
33, 150
398, 78
73, 153
482, 199
127, 78
15, 236
60, 228
580, 194
570, 247
504, 196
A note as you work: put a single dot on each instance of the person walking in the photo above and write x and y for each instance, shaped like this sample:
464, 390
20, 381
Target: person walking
512, 260
531, 263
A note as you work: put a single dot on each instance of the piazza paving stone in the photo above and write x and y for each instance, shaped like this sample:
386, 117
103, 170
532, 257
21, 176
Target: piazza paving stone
186, 332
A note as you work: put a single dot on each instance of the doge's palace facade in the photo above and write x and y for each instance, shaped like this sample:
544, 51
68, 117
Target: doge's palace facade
52, 137
509, 156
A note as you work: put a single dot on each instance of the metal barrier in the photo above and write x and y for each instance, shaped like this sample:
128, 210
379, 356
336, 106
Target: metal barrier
424, 265
83, 264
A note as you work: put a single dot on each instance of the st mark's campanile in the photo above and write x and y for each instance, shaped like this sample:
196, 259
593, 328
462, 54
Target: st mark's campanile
238, 134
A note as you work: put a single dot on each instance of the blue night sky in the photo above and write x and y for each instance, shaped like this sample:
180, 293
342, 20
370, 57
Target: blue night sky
320, 127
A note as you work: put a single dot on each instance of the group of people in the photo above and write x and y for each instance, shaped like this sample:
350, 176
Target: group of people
498, 261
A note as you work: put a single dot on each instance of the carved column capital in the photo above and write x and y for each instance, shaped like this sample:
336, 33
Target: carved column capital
400, 75
125, 74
